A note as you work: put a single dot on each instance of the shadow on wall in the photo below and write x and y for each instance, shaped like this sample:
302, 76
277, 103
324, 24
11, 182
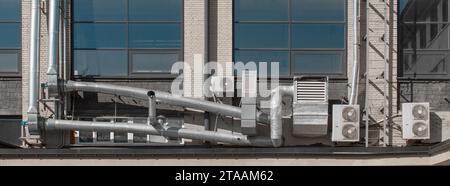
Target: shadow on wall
435, 129
10, 132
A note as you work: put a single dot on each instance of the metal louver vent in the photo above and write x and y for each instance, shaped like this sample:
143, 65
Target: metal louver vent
310, 106
311, 91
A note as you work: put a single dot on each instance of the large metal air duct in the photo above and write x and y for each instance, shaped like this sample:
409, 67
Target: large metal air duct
161, 97
276, 123
33, 88
211, 136
355, 71
54, 16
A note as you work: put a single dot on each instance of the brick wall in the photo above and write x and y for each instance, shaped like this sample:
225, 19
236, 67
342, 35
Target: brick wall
376, 63
195, 43
26, 26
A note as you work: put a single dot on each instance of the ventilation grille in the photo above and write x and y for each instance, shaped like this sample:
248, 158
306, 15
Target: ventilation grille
308, 91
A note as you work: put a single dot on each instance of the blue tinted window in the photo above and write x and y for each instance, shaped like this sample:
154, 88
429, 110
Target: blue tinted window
100, 63
318, 36
155, 36
128, 27
300, 30
282, 57
318, 10
153, 62
155, 10
261, 10
100, 10
100, 35
317, 62
9, 62
10, 10
10, 35
261, 36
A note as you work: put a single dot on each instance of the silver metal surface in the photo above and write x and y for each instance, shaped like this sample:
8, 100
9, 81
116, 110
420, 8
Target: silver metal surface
355, 71
310, 106
211, 136
161, 97
52, 72
34, 57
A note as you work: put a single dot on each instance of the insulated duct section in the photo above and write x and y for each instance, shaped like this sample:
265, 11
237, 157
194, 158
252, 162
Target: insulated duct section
276, 119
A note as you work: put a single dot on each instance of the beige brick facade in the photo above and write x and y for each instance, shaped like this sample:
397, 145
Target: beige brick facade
376, 62
26, 22
195, 46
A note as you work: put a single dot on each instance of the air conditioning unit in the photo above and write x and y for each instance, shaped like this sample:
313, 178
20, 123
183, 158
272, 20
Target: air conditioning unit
416, 120
346, 123
222, 84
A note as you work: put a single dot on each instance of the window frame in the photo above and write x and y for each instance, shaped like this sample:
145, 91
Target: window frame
145, 51
129, 50
12, 50
315, 52
19, 66
291, 50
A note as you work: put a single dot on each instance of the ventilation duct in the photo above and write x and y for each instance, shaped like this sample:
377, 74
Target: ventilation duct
33, 110
211, 136
310, 106
161, 97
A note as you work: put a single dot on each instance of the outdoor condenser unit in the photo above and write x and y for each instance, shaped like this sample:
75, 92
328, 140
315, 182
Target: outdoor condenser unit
416, 120
345, 123
310, 107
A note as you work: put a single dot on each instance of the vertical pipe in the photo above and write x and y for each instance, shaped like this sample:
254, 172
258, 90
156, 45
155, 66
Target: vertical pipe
60, 44
53, 71
34, 57
33, 109
53, 36
386, 72
65, 24
206, 121
355, 78
61, 65
63, 48
367, 76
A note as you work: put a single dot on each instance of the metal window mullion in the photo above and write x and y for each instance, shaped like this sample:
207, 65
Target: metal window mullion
290, 63
127, 37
